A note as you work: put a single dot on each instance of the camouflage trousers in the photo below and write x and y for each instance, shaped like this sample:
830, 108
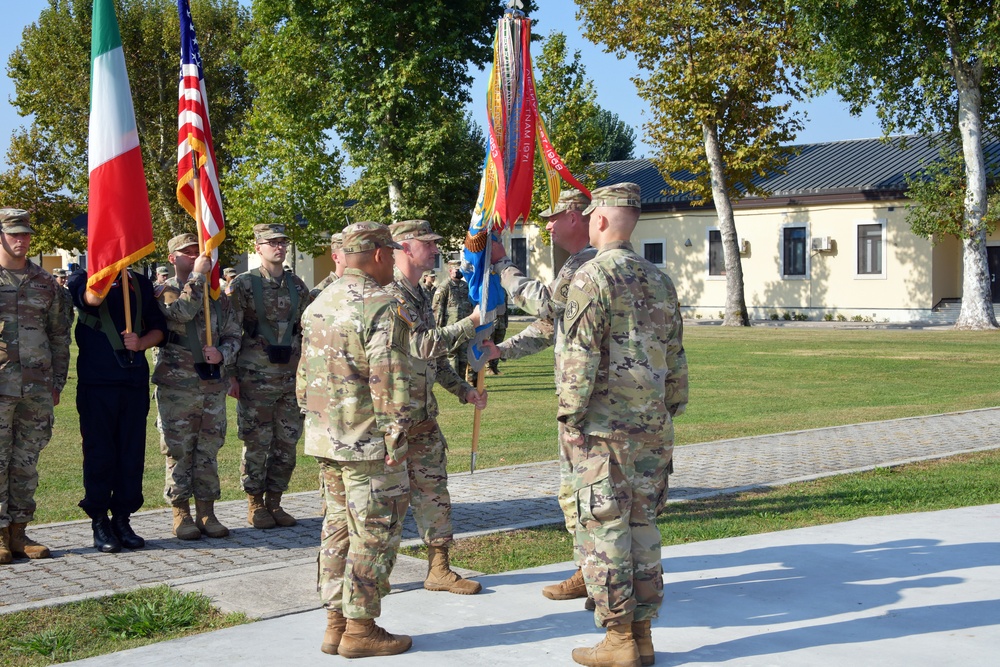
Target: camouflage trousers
192, 429
427, 462
567, 492
364, 503
459, 359
270, 423
620, 487
25, 429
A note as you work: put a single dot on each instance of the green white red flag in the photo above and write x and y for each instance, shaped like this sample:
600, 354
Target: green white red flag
119, 223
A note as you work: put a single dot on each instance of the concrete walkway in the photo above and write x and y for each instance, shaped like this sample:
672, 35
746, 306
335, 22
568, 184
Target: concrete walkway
270, 573
895, 591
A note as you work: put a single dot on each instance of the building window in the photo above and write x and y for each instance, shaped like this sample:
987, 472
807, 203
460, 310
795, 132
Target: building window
716, 256
870, 245
793, 251
437, 262
653, 252
519, 254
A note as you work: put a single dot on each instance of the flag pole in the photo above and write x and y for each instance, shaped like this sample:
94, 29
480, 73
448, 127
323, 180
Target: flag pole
128, 300
196, 184
477, 420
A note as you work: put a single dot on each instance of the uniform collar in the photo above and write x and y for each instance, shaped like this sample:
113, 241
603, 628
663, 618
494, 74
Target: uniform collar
616, 245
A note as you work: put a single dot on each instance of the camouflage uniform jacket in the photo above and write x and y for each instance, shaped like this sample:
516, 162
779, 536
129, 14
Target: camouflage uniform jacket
278, 309
451, 302
624, 372
34, 333
546, 302
322, 285
174, 361
354, 375
429, 347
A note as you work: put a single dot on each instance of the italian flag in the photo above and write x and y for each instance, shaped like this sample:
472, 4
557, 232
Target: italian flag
119, 224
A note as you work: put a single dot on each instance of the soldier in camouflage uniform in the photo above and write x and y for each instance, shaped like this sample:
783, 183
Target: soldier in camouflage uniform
622, 379
34, 360
569, 230
268, 303
353, 385
451, 303
191, 411
337, 255
62, 278
428, 285
427, 461
162, 274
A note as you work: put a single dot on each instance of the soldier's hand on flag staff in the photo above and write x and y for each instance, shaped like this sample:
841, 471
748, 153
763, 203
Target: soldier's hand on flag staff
211, 354
497, 251
203, 265
477, 399
131, 341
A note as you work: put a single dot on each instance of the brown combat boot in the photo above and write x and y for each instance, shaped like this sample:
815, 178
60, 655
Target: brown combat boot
642, 634
206, 521
184, 527
335, 625
23, 546
257, 514
572, 588
272, 501
363, 639
5, 554
618, 649
440, 576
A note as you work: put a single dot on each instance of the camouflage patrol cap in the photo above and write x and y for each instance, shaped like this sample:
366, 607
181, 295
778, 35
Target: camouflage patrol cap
162, 271
337, 241
60, 273
419, 230
181, 241
229, 272
364, 236
268, 231
569, 200
454, 264
617, 195
15, 221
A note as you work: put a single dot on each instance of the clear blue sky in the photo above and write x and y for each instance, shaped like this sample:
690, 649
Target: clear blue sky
828, 118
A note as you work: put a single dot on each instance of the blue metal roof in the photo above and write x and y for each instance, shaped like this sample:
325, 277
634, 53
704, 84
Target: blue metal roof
857, 166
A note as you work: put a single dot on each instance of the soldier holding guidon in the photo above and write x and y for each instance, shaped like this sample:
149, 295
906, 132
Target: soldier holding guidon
191, 389
622, 379
353, 385
268, 303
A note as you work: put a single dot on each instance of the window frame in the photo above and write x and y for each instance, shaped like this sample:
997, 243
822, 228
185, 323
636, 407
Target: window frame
663, 251
807, 253
523, 239
857, 248
708, 255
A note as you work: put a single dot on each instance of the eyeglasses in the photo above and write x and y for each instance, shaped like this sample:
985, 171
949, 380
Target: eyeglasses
276, 243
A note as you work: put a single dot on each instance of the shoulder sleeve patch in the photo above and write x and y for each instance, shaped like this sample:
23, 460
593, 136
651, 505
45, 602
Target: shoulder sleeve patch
405, 314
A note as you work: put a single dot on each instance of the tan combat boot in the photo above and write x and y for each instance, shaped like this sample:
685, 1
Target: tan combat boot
335, 626
184, 527
5, 555
23, 546
617, 650
572, 588
364, 639
257, 514
206, 521
272, 501
440, 576
642, 634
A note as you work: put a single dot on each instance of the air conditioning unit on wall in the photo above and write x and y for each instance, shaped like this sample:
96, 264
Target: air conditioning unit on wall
822, 243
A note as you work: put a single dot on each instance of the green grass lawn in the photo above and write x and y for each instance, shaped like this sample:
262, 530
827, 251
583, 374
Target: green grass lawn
743, 382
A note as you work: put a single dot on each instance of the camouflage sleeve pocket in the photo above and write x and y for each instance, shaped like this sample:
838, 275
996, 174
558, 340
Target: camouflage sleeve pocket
400, 334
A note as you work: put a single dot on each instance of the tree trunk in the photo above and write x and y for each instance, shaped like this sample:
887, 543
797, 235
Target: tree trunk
977, 306
736, 305
395, 198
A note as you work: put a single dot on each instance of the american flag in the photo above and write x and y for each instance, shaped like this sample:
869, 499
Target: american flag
194, 138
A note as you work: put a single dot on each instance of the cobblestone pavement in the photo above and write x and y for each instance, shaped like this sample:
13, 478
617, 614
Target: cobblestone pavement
490, 500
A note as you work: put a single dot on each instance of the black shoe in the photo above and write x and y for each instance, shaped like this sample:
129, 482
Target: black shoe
123, 531
104, 538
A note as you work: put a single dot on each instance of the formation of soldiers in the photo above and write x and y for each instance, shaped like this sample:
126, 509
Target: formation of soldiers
352, 364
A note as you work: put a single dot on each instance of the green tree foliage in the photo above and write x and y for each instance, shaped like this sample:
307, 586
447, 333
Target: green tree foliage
938, 194
50, 69
390, 79
720, 84
619, 139
34, 183
927, 65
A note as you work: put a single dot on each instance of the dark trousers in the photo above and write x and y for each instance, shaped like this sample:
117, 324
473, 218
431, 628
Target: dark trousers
113, 429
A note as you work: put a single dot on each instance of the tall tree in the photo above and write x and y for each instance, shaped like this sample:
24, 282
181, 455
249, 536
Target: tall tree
34, 182
391, 79
938, 195
927, 65
618, 141
713, 72
51, 73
